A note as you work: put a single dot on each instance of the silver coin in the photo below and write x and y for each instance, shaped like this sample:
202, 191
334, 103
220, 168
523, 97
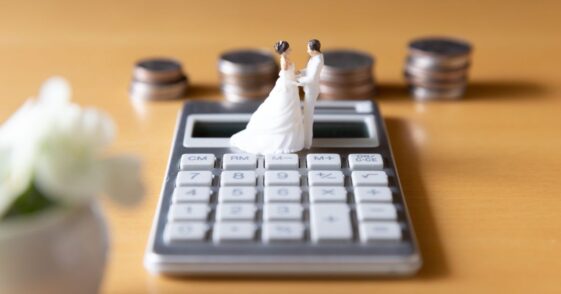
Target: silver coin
158, 70
449, 74
249, 82
260, 91
246, 61
347, 91
422, 94
439, 46
430, 63
150, 91
342, 61
428, 81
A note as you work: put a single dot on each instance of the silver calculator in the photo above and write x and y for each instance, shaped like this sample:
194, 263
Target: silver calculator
334, 209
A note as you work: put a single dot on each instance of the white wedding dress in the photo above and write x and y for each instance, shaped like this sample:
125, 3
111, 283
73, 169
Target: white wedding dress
277, 125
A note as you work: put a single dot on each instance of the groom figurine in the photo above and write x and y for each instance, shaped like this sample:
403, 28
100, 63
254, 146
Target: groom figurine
309, 80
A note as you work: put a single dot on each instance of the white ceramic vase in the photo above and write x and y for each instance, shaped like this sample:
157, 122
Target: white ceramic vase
58, 251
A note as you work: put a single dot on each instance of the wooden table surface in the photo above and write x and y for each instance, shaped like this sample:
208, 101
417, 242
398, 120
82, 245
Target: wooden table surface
481, 175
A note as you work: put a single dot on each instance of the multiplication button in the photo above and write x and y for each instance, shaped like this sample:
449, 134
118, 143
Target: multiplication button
237, 161
328, 194
197, 161
369, 161
323, 161
281, 161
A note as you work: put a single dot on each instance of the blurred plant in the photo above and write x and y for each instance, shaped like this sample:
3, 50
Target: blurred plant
51, 154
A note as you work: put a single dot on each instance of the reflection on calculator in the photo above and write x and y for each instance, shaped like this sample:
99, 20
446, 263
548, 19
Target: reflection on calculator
336, 208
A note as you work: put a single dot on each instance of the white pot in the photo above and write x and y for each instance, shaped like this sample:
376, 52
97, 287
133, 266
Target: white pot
58, 251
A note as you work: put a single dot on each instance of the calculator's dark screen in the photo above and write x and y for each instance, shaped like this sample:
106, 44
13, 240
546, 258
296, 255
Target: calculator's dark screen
358, 129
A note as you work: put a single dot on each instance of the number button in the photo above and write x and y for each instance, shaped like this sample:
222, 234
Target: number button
179, 232
369, 178
233, 232
366, 161
193, 178
325, 178
281, 161
282, 178
183, 212
283, 194
328, 194
232, 211
372, 194
237, 161
282, 232
191, 194
238, 178
197, 161
379, 231
323, 161
237, 194
282, 211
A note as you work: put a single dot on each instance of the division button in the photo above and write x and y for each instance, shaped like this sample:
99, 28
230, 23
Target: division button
193, 178
238, 178
326, 178
323, 161
282, 231
237, 194
237, 161
372, 194
181, 232
282, 178
379, 231
283, 194
191, 194
376, 211
233, 232
281, 161
197, 161
370, 161
328, 194
187, 212
369, 178
330, 222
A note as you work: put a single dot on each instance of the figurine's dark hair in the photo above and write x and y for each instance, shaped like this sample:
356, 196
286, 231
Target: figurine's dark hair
314, 45
281, 46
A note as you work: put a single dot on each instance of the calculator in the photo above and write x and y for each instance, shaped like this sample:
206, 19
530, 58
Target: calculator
335, 209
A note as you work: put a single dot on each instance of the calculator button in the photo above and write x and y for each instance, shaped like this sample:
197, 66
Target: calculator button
237, 194
379, 231
378, 211
328, 194
282, 178
366, 161
369, 178
243, 161
238, 178
323, 161
325, 178
197, 161
184, 212
179, 232
191, 194
193, 178
282, 211
230, 211
282, 194
281, 161
372, 194
330, 222
282, 231
233, 231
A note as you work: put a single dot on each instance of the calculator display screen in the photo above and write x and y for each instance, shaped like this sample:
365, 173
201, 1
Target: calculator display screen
323, 129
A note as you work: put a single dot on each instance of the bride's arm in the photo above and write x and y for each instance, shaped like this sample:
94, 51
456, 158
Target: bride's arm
285, 62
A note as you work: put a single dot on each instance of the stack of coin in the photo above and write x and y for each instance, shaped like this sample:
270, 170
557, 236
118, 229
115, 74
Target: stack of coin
158, 78
437, 68
247, 74
347, 74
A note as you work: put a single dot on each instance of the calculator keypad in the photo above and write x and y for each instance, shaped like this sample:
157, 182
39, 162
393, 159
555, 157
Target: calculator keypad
320, 198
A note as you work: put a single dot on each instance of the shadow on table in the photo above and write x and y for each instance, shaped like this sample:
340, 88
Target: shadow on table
203, 91
434, 264
479, 89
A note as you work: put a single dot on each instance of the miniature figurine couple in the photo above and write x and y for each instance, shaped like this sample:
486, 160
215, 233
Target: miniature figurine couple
280, 125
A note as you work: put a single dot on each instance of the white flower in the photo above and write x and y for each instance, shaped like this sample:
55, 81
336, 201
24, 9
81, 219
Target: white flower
59, 146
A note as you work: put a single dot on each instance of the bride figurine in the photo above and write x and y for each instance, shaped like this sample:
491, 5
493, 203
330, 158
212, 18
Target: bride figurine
277, 125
